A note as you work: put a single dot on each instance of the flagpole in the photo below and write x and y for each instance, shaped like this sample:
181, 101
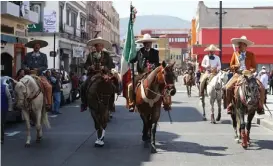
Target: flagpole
132, 64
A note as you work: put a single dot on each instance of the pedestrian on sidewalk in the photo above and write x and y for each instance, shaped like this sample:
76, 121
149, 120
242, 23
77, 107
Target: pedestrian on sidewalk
264, 81
271, 83
56, 87
6, 105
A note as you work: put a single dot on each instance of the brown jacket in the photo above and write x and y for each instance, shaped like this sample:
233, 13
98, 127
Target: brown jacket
250, 61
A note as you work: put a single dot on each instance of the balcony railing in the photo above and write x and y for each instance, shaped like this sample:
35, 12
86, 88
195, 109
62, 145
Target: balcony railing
68, 29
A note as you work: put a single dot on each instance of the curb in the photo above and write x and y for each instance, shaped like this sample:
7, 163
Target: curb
260, 120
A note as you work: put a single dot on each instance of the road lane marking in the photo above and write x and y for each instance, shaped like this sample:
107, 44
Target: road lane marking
11, 134
53, 116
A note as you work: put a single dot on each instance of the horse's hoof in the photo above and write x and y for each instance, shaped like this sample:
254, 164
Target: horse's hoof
244, 146
39, 139
237, 140
99, 143
204, 118
27, 145
218, 117
153, 149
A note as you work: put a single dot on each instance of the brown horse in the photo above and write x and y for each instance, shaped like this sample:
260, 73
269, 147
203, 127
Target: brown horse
100, 92
245, 103
189, 82
149, 92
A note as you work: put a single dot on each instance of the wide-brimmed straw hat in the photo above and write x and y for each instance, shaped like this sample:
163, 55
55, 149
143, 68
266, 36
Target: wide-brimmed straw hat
99, 40
247, 73
146, 38
32, 43
212, 47
242, 39
263, 71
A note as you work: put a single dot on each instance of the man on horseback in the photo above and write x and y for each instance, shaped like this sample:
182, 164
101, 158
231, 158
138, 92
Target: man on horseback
242, 61
190, 72
146, 58
212, 64
35, 63
98, 60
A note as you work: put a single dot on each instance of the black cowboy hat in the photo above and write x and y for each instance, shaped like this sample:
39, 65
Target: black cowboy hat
32, 43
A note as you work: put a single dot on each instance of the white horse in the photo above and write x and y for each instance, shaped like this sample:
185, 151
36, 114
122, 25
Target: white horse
30, 99
214, 90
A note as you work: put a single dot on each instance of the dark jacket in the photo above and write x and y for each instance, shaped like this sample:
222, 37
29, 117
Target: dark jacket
39, 62
105, 60
56, 85
143, 56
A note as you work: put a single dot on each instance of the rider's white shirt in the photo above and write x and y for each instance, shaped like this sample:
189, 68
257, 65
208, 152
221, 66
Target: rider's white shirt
216, 63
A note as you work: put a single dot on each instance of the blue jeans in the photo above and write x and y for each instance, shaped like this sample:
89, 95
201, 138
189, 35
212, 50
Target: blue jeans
57, 101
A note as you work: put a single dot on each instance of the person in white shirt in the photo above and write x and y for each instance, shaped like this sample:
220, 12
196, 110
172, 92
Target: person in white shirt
212, 64
264, 81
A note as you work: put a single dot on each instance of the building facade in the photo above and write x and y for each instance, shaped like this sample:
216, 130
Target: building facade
15, 16
108, 23
67, 20
253, 23
177, 42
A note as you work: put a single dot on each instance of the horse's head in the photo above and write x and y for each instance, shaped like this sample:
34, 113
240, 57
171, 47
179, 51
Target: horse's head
167, 77
250, 89
224, 76
23, 89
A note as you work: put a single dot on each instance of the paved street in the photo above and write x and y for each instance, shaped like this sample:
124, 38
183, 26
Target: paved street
189, 141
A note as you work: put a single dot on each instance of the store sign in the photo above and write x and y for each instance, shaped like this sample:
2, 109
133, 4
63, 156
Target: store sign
78, 52
7, 29
20, 33
35, 27
50, 21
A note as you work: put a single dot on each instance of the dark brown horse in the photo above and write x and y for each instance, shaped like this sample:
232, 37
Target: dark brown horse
245, 103
100, 92
149, 94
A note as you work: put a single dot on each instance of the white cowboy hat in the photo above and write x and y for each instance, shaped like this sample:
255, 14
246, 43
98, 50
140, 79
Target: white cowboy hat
263, 71
107, 44
263, 67
32, 43
242, 39
247, 73
146, 38
212, 47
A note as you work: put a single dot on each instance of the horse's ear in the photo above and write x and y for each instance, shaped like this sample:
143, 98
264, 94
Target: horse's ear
164, 64
172, 65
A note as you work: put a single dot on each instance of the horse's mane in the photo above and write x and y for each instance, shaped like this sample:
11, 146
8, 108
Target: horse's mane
152, 75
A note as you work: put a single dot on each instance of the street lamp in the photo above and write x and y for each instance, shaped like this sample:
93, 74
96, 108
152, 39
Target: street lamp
220, 13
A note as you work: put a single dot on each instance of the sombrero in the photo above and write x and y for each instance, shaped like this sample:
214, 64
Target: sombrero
32, 43
247, 73
242, 39
212, 47
99, 40
146, 38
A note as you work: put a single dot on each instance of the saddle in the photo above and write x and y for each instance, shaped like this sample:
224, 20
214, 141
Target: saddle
138, 81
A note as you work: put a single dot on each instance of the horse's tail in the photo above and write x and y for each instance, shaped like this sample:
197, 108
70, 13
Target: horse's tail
45, 120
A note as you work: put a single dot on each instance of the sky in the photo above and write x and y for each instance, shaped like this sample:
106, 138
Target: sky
184, 9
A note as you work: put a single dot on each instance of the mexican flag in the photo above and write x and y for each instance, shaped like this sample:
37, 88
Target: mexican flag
129, 52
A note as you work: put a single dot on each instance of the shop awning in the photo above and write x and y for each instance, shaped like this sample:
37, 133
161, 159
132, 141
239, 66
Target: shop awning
8, 39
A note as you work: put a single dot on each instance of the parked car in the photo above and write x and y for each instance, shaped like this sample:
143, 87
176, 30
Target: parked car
14, 115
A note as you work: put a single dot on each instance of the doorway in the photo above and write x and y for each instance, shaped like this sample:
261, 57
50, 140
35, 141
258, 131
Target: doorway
6, 64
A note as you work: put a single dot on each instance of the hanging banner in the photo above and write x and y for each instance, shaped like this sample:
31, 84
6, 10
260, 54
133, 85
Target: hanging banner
50, 21
78, 52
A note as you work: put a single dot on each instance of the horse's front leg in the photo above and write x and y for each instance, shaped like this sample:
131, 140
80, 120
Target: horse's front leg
98, 127
248, 125
212, 118
203, 107
242, 126
145, 131
219, 101
38, 125
234, 124
27, 119
154, 120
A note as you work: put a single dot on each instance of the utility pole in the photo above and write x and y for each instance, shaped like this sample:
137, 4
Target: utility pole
220, 13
